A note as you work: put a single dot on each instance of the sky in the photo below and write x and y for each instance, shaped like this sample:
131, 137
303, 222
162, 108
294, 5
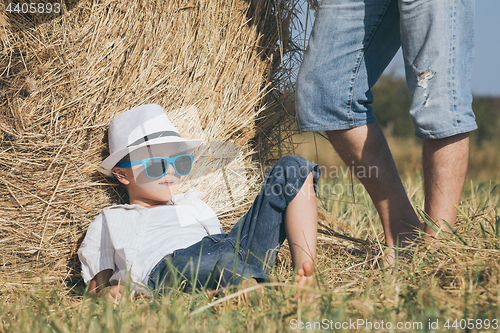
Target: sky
486, 75
486, 69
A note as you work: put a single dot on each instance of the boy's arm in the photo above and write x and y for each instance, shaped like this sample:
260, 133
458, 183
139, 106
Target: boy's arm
100, 281
96, 255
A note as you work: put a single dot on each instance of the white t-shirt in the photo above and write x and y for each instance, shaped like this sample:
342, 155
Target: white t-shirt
133, 239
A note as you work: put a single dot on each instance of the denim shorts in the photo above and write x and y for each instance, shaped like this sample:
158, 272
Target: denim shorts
353, 41
249, 250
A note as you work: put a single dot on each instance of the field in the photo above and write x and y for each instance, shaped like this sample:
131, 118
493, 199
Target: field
454, 283
64, 77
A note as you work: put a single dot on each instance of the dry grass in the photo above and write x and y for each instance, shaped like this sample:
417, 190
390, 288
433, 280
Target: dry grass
65, 77
453, 279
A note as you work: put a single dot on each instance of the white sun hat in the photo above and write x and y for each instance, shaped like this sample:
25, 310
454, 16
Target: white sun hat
145, 125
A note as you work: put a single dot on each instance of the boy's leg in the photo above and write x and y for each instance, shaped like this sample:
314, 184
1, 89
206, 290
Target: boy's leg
301, 227
198, 266
285, 206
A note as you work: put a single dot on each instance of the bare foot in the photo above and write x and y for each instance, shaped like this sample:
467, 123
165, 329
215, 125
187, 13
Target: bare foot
248, 286
305, 275
407, 246
402, 254
389, 258
304, 280
249, 283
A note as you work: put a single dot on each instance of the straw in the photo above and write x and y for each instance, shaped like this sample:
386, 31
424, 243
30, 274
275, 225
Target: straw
64, 77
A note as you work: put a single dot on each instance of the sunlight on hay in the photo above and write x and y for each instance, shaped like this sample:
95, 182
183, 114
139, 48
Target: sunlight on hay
219, 168
64, 78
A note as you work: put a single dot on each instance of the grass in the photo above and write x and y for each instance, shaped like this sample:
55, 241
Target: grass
63, 106
456, 278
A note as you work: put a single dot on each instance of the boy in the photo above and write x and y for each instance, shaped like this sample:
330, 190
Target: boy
162, 236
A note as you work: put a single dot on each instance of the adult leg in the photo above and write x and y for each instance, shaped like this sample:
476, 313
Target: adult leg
351, 44
365, 147
445, 167
437, 39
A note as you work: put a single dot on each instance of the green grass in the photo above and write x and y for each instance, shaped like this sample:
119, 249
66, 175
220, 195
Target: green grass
457, 278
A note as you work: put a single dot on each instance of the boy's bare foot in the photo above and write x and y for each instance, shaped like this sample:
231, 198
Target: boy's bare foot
305, 276
305, 280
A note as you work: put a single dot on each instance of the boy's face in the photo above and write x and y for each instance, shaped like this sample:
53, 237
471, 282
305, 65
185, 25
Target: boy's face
143, 190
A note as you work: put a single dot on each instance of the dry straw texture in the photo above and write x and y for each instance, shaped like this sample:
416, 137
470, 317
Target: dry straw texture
64, 77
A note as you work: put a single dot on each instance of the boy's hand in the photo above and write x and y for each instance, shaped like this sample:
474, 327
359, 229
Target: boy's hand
115, 294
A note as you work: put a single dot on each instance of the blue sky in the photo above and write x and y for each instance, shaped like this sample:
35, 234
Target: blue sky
486, 73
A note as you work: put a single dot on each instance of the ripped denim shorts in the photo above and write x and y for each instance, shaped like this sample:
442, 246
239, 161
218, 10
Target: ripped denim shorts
353, 41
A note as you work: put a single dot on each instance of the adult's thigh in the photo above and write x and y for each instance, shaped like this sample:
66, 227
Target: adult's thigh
351, 44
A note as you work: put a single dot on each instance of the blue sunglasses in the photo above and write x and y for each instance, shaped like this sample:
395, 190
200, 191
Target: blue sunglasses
156, 167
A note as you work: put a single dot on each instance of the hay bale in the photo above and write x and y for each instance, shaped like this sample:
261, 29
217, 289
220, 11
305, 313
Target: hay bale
65, 77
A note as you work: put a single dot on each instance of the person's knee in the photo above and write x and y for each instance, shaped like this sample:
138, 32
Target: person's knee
291, 166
